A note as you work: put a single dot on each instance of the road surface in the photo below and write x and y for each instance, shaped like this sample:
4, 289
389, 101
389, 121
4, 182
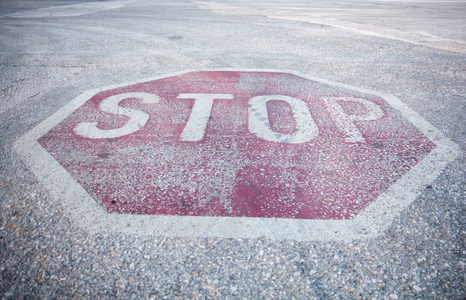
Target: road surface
52, 52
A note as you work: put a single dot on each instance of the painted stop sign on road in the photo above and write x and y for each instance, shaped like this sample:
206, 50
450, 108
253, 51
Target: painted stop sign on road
204, 150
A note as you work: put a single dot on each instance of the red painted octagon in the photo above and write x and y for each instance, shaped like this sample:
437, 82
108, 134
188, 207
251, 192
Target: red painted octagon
237, 144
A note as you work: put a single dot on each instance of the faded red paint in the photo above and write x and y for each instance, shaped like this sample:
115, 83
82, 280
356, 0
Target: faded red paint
232, 172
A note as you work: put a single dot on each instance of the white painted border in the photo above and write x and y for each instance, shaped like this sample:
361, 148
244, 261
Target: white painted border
375, 218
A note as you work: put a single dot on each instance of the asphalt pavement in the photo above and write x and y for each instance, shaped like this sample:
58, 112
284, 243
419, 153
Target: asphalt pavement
53, 52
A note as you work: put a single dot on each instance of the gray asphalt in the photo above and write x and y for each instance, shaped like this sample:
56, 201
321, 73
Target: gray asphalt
53, 51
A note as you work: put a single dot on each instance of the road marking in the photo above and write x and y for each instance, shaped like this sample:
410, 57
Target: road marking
370, 222
347, 122
137, 118
259, 121
200, 114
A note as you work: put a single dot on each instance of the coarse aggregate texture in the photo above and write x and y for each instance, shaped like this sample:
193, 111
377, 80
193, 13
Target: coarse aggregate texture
47, 61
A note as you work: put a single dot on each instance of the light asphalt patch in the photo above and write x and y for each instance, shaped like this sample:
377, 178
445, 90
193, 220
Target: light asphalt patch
372, 221
346, 17
71, 10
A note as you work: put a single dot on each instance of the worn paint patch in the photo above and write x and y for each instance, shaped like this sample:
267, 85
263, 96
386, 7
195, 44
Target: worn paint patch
220, 166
